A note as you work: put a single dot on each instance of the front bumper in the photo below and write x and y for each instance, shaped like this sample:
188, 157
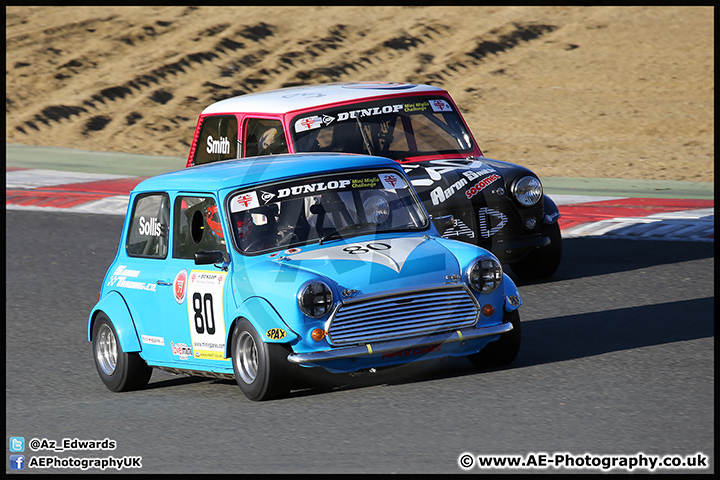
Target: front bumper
401, 350
515, 249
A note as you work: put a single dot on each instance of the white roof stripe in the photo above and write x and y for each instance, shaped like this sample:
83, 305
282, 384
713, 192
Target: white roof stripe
299, 98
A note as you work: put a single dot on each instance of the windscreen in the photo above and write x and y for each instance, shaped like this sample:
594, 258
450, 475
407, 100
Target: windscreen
395, 128
319, 209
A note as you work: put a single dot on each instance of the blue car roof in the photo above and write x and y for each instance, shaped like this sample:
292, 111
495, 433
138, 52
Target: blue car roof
217, 176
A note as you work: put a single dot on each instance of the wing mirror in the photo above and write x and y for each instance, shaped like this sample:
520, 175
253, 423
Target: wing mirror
444, 222
215, 257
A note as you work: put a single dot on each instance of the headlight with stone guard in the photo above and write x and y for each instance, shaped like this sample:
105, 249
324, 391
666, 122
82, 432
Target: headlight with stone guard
485, 275
528, 191
315, 299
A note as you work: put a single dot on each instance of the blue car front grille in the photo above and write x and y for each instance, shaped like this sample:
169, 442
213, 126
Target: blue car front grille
403, 314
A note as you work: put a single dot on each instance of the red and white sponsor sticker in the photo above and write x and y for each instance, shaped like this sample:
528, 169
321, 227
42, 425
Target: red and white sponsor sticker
391, 181
440, 106
481, 185
244, 201
180, 286
308, 123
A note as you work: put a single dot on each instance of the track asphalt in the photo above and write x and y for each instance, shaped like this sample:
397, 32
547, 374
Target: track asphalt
61, 179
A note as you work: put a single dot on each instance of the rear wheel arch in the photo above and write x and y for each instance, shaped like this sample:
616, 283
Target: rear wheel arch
114, 307
119, 370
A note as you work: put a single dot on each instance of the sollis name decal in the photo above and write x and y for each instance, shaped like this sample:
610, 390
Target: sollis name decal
149, 227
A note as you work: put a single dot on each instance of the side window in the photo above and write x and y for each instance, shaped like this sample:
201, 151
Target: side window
148, 234
264, 137
217, 139
198, 227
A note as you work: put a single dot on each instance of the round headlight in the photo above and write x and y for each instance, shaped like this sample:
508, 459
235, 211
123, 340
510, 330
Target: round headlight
528, 191
485, 275
377, 209
315, 299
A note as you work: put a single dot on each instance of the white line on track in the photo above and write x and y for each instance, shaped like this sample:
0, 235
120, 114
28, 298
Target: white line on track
47, 178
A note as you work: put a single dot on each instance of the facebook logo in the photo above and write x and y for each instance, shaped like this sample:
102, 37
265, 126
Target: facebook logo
17, 462
17, 444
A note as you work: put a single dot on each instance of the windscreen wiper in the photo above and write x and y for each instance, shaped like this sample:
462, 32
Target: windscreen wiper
349, 228
366, 141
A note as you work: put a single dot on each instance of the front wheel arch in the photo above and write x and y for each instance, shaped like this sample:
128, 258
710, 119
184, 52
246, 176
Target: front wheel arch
542, 262
262, 370
504, 350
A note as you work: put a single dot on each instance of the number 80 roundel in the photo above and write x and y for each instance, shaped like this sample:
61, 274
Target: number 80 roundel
205, 312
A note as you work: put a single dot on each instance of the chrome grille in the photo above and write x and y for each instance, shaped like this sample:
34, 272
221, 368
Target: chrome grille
403, 314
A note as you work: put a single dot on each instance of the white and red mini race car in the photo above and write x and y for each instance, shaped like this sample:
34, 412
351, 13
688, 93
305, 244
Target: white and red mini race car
494, 204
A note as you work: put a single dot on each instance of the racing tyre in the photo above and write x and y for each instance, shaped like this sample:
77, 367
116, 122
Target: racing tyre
119, 371
261, 369
502, 351
543, 262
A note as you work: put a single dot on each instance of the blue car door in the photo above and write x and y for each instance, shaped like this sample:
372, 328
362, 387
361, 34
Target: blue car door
192, 296
135, 273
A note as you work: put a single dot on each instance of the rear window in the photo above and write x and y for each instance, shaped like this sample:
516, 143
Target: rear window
217, 139
148, 234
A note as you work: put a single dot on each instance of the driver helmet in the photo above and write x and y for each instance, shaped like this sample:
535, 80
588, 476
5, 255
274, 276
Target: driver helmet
212, 219
267, 138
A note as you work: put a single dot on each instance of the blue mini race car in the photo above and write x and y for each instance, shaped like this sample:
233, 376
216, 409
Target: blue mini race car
256, 268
